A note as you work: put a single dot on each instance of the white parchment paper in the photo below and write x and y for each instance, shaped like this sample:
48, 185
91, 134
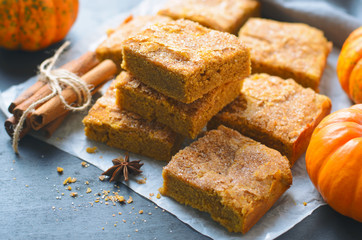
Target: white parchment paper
289, 209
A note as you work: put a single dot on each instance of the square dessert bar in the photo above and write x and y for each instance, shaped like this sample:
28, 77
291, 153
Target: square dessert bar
186, 119
184, 60
278, 113
287, 50
111, 47
222, 15
106, 122
233, 177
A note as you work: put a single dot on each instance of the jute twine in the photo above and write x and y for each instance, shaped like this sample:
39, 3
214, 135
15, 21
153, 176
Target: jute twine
57, 80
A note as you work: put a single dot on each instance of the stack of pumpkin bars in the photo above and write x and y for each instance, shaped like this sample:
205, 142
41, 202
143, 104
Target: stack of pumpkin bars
181, 76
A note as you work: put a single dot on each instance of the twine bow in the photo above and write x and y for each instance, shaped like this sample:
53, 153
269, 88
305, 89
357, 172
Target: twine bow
57, 80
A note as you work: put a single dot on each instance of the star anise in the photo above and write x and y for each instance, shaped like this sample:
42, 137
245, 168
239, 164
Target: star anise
123, 167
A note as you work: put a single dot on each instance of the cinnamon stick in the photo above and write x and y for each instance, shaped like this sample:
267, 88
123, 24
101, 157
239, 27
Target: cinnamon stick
11, 123
79, 66
50, 128
54, 108
47, 130
83, 64
25, 95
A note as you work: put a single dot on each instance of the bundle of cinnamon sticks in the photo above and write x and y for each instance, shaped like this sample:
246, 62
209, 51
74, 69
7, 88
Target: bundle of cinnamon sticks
47, 117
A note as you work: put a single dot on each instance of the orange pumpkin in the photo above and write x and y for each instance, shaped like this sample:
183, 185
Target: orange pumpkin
349, 66
33, 25
334, 160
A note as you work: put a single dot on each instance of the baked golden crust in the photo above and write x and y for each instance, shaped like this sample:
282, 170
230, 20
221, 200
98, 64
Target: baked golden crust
111, 48
234, 178
185, 119
287, 50
279, 113
222, 15
183, 60
106, 122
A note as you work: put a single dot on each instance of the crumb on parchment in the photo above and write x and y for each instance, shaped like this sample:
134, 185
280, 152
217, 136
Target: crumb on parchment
91, 149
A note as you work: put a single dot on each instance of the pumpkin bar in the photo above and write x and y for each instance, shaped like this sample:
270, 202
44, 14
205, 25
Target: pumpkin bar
107, 122
186, 119
222, 15
233, 177
111, 47
279, 113
287, 50
184, 60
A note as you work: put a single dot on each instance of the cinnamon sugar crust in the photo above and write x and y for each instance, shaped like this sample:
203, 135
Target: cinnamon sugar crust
222, 15
287, 50
279, 113
111, 47
184, 60
233, 177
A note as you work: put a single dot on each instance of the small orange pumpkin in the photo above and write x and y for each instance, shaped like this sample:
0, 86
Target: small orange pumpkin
349, 66
33, 25
334, 160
